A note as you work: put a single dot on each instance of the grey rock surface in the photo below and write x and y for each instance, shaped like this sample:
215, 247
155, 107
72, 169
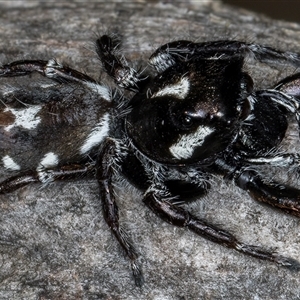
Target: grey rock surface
54, 243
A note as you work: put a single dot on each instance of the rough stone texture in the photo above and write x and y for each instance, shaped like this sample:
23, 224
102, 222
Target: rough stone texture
54, 243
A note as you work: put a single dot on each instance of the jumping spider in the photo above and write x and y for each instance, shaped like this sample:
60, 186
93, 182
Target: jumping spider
198, 116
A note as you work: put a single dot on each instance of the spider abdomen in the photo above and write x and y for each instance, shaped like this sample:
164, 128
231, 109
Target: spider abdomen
51, 125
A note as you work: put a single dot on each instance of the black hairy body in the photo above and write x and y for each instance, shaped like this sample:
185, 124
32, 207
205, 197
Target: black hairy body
197, 116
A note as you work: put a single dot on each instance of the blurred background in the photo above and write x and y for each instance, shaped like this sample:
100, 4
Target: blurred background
288, 10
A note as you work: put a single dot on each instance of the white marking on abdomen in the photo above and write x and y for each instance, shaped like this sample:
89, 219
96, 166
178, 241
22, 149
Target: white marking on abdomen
10, 164
49, 160
179, 89
44, 171
25, 118
186, 144
97, 135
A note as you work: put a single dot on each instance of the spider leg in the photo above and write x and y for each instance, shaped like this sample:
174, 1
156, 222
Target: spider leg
277, 160
157, 198
178, 51
105, 170
50, 69
289, 102
45, 176
290, 85
13, 183
285, 96
284, 197
116, 65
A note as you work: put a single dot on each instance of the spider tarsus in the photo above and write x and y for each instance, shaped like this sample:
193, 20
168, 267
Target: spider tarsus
137, 274
263, 254
289, 263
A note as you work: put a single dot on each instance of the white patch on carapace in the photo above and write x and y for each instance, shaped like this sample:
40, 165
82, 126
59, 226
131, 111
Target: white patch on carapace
179, 89
187, 143
10, 164
97, 135
26, 117
49, 160
101, 90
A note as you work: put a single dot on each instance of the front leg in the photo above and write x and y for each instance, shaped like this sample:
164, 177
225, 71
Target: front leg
109, 160
282, 196
278, 195
161, 202
277, 160
175, 52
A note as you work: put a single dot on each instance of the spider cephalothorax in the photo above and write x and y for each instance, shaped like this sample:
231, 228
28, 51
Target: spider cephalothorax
195, 115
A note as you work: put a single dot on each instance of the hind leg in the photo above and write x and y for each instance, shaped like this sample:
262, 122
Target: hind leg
45, 176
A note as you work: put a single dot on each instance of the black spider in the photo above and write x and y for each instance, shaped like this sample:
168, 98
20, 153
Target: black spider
197, 116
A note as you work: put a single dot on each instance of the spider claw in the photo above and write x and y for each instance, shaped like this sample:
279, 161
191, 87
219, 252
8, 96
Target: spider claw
289, 263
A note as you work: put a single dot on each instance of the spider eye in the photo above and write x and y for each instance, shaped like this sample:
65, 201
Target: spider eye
187, 122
